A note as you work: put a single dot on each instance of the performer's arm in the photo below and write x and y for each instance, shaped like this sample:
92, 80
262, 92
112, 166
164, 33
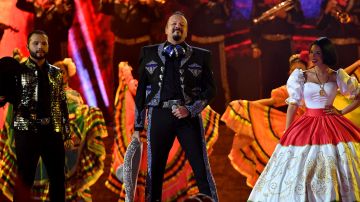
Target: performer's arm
350, 69
355, 104
65, 114
141, 95
290, 114
208, 90
348, 86
295, 87
208, 81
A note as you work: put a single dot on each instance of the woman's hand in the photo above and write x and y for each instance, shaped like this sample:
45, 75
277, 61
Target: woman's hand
331, 110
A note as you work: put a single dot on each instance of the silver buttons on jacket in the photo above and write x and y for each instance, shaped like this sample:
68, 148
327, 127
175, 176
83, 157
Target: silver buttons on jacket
161, 76
182, 79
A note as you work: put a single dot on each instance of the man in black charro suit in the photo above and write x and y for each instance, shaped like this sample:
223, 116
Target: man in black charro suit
176, 83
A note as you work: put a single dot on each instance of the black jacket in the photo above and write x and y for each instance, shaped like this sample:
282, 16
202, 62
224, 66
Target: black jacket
27, 98
196, 80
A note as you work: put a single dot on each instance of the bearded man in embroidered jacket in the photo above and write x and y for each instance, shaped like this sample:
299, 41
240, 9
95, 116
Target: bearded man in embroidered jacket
176, 83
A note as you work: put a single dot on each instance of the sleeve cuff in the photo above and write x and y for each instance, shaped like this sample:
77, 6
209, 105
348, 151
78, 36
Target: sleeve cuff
196, 108
291, 101
139, 119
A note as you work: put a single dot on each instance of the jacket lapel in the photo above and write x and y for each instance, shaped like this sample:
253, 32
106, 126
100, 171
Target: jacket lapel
160, 53
187, 55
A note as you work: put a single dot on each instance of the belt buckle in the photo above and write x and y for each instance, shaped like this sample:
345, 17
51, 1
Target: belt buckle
44, 121
173, 104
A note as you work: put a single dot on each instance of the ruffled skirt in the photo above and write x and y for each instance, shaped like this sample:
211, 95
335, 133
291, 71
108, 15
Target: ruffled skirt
317, 160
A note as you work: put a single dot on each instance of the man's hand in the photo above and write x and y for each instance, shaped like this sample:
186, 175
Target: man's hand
256, 53
281, 14
136, 135
180, 111
69, 144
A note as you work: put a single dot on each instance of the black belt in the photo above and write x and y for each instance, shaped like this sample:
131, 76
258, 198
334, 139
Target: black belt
170, 103
43, 121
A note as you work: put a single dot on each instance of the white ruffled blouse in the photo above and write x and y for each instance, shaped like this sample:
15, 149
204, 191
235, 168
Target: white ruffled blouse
308, 93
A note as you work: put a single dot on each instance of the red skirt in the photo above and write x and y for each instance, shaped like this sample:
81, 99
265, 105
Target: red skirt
317, 128
318, 159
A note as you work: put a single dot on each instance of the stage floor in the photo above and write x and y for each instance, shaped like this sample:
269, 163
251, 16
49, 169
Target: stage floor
230, 184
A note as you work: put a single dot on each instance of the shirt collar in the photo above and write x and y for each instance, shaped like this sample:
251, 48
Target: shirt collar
183, 44
32, 64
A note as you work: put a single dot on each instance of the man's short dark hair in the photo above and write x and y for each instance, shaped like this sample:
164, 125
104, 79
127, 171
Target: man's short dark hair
328, 50
175, 13
40, 32
178, 13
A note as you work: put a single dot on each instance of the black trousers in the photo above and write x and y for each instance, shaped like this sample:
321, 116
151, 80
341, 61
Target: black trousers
29, 147
164, 127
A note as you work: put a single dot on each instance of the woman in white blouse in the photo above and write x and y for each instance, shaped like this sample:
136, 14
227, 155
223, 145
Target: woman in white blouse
318, 157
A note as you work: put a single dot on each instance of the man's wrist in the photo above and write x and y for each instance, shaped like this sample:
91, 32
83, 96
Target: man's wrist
254, 45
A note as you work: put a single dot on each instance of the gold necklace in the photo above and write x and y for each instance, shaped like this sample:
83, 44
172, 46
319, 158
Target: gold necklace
322, 91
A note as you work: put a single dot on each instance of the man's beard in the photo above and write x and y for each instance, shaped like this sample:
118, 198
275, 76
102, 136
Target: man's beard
34, 55
176, 34
176, 37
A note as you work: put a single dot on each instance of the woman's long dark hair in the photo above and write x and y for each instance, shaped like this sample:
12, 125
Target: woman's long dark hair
328, 50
